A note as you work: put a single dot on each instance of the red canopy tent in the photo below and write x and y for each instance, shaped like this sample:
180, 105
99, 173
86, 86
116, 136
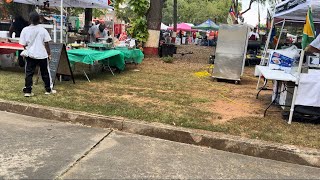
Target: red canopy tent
8, 48
183, 27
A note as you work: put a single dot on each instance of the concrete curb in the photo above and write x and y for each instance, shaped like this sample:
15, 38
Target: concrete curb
235, 144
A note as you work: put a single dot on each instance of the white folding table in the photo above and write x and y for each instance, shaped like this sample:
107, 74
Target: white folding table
276, 75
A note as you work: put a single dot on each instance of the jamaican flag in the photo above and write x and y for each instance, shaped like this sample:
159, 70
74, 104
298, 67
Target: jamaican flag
308, 30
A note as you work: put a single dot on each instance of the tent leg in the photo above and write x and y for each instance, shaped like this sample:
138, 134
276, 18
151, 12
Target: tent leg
284, 21
263, 58
61, 22
296, 88
54, 31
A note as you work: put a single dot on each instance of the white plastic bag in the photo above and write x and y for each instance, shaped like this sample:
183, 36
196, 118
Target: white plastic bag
283, 59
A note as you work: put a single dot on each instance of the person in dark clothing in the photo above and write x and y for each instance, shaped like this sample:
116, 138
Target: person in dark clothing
180, 36
36, 40
16, 27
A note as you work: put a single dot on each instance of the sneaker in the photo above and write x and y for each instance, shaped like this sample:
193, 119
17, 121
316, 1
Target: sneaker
52, 92
28, 94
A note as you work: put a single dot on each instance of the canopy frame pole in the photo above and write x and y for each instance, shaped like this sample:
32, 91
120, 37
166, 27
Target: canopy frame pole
61, 22
113, 24
54, 30
284, 21
262, 61
295, 93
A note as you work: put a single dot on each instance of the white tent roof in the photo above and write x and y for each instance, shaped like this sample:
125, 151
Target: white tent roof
102, 4
297, 10
164, 27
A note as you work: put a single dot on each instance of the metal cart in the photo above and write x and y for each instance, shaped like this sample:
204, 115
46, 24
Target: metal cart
231, 52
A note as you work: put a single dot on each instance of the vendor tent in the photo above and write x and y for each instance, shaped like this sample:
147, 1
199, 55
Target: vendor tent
292, 11
208, 25
102, 4
164, 27
296, 10
68, 3
183, 27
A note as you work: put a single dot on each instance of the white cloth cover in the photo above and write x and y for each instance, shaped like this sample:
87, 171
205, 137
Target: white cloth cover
309, 89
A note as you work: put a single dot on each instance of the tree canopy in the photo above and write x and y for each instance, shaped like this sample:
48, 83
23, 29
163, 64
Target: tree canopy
197, 11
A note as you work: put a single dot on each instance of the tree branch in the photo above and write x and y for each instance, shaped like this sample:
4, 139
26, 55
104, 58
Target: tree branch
251, 1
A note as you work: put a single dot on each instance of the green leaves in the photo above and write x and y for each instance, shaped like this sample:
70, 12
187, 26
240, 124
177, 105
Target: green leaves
135, 12
139, 29
197, 11
140, 7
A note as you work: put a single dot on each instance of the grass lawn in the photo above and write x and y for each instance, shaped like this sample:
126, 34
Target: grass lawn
171, 93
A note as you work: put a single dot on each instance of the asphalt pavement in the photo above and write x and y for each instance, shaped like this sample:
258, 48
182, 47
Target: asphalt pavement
33, 148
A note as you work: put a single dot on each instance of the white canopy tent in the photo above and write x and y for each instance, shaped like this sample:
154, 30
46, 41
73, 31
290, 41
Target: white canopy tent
296, 10
164, 27
101, 4
292, 11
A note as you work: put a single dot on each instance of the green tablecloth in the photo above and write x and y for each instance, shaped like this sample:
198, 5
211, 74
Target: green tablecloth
88, 56
132, 55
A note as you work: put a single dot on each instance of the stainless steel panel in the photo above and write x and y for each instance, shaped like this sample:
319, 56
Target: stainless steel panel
230, 52
229, 67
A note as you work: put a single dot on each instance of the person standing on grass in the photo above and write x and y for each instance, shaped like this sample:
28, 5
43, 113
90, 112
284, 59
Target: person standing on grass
35, 40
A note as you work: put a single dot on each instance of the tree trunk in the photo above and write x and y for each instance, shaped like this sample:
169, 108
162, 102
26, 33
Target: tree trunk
87, 19
24, 10
18, 9
175, 20
154, 17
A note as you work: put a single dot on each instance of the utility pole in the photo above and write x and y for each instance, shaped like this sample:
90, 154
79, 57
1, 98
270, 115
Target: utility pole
88, 19
175, 19
237, 10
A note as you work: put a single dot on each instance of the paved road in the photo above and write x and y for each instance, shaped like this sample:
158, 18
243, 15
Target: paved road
37, 148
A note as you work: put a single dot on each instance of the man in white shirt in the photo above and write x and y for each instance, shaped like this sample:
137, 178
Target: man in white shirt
314, 46
35, 39
97, 31
253, 35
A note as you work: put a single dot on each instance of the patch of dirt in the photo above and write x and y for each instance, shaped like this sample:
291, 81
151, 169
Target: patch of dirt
231, 110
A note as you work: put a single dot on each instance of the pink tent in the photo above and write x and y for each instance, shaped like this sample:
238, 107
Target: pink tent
183, 27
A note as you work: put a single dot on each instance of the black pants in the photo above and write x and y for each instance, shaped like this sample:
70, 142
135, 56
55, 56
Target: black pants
30, 68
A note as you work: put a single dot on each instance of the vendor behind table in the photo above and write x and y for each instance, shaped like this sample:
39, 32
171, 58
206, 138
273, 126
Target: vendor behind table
97, 31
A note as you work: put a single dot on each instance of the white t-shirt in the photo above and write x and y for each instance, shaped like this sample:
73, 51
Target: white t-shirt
316, 43
254, 34
34, 37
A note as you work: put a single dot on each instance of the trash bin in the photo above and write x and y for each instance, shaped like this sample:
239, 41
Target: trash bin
167, 50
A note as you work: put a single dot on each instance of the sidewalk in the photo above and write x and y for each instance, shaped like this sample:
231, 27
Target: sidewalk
37, 148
